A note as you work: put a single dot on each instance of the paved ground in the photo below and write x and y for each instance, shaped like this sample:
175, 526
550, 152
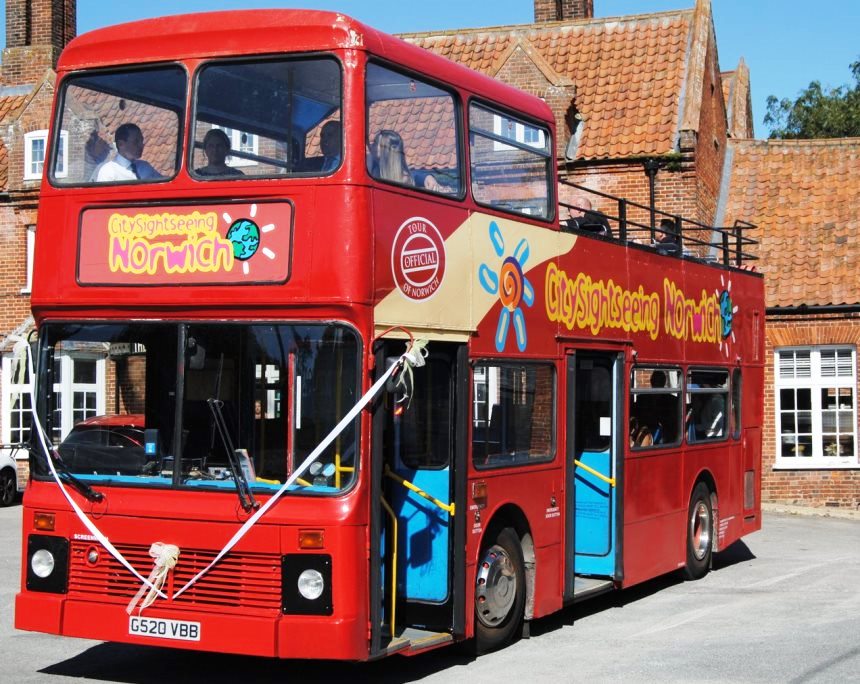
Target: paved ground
781, 606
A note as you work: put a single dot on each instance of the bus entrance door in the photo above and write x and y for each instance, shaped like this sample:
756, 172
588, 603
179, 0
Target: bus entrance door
594, 381
422, 445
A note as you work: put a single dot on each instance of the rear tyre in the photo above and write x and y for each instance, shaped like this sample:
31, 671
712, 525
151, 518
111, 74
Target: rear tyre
500, 592
8, 487
700, 533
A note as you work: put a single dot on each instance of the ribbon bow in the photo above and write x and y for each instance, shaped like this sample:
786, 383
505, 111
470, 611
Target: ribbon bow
165, 557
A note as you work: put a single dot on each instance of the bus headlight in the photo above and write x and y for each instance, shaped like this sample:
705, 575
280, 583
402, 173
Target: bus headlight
47, 563
42, 563
311, 584
306, 584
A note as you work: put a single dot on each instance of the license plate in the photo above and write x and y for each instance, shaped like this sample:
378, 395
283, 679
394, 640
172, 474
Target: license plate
181, 630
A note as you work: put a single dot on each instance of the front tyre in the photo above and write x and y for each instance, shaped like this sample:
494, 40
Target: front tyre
500, 592
700, 533
8, 487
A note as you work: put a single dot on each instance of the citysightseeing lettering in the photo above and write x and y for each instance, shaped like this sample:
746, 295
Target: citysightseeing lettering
153, 225
585, 303
134, 247
686, 318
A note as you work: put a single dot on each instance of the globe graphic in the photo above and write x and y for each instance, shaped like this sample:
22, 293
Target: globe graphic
245, 236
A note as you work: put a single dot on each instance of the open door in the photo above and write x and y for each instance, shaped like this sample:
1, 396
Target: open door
419, 436
594, 454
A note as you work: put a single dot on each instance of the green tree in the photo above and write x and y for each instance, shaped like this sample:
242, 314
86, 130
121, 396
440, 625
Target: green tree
817, 112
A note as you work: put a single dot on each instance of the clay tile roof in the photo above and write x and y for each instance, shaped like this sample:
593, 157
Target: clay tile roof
803, 196
628, 73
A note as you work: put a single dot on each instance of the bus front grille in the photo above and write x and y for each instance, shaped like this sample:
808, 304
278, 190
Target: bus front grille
250, 582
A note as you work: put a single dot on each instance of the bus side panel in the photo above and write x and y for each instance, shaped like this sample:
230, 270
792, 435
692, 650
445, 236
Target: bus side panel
543, 519
654, 515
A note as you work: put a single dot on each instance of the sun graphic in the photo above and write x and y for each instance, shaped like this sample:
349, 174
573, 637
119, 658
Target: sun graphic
727, 314
246, 236
508, 282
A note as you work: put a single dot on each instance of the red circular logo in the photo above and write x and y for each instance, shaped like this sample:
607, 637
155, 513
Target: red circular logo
418, 259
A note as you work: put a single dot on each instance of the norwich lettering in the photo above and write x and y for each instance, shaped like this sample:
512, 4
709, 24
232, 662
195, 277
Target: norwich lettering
203, 254
690, 319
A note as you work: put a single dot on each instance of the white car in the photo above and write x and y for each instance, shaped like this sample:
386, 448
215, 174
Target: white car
14, 472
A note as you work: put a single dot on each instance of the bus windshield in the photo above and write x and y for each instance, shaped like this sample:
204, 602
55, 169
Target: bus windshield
276, 390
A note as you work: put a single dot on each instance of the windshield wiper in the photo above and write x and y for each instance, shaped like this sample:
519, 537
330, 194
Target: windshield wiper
66, 476
246, 497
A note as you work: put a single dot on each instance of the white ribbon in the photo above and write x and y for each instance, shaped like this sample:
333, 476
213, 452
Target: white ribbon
165, 557
412, 356
49, 456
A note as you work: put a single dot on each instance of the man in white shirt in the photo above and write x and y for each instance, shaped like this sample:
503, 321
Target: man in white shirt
127, 164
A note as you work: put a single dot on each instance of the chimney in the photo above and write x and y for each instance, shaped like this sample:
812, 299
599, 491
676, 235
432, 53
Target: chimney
563, 10
36, 33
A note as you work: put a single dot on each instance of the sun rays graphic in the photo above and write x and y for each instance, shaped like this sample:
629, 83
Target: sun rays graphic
727, 314
246, 237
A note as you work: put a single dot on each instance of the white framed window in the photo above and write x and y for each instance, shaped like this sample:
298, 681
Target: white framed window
35, 151
79, 392
17, 417
517, 131
31, 244
816, 407
240, 141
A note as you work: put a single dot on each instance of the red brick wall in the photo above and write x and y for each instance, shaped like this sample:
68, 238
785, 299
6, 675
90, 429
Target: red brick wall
817, 488
36, 33
558, 10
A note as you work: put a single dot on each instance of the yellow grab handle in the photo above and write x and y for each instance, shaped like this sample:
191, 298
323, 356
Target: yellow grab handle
449, 508
609, 480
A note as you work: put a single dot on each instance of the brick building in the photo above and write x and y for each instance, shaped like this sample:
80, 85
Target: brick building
36, 32
631, 94
646, 92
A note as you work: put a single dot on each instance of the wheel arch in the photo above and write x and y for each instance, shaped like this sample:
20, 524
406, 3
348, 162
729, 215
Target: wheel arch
511, 515
706, 476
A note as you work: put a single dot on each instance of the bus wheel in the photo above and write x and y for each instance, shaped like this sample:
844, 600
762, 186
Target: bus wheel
700, 533
8, 487
500, 592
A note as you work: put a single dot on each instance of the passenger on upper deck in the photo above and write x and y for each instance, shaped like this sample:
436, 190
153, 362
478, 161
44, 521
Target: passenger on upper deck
667, 242
388, 162
216, 146
583, 217
388, 158
127, 164
330, 145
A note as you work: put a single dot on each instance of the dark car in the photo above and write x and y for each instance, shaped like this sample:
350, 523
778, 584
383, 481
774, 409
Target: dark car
106, 445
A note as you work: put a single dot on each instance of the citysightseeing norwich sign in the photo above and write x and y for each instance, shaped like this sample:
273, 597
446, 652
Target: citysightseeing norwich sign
595, 305
186, 244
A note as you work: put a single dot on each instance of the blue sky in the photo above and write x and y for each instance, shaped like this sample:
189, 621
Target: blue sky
785, 43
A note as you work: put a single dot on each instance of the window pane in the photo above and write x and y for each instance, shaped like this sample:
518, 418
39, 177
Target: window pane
412, 132
267, 118
786, 399
804, 399
520, 405
707, 404
655, 407
96, 108
425, 427
509, 177
84, 371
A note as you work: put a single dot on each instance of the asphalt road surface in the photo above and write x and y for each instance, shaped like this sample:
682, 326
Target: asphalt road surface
783, 605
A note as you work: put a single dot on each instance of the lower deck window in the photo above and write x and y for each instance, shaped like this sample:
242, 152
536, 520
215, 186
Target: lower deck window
707, 405
655, 407
513, 414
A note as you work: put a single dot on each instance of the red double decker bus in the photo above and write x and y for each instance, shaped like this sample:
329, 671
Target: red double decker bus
320, 373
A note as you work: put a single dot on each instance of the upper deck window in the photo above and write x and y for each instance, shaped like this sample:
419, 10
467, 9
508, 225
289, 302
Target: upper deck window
121, 127
511, 162
267, 118
411, 132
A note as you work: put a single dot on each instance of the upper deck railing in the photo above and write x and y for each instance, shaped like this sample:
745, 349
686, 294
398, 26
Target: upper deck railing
669, 234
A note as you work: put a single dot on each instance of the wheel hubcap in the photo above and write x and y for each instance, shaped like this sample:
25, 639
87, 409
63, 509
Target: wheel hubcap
496, 587
700, 530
